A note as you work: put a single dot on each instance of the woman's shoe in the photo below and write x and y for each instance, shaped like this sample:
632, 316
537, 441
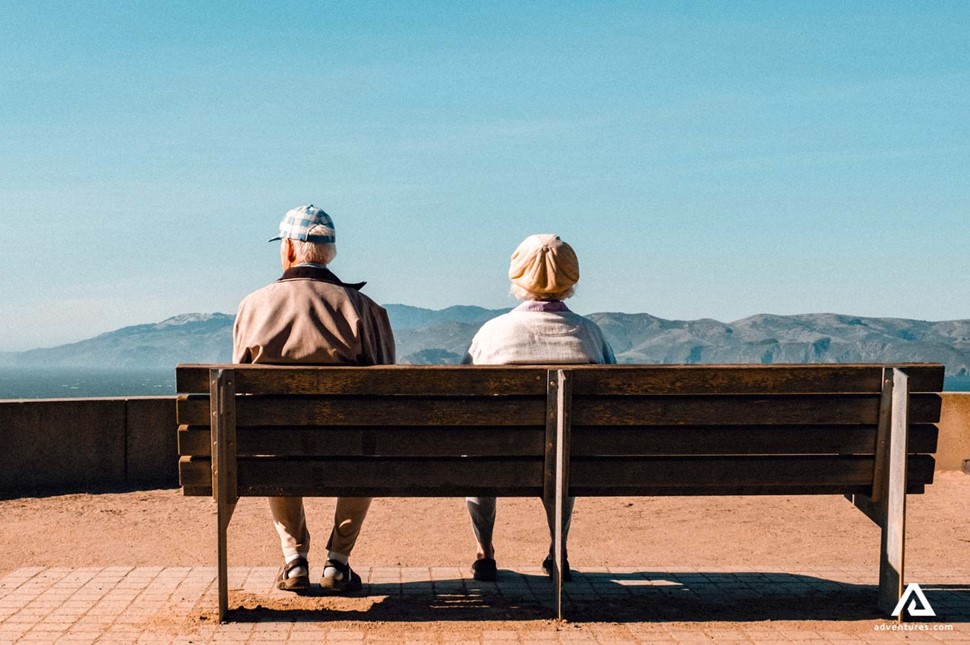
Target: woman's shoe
548, 564
484, 570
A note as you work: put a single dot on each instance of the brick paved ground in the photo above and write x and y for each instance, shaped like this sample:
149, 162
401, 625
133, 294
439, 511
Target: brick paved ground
442, 605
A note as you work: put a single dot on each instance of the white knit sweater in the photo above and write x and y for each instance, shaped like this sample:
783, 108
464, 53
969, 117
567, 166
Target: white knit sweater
525, 336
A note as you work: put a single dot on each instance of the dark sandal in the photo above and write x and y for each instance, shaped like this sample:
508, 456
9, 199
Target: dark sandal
293, 583
348, 581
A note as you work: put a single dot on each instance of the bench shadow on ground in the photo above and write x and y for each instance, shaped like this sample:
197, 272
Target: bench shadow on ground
599, 597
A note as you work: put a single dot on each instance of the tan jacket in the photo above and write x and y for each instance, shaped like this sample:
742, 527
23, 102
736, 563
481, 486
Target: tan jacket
309, 317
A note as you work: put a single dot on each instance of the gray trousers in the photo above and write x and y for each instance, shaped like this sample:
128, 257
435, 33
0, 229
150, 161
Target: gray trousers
482, 513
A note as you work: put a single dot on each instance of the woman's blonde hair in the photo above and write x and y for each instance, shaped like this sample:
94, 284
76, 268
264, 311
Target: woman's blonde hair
525, 294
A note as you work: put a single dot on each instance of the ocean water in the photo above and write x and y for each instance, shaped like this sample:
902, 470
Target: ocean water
956, 384
54, 383
59, 383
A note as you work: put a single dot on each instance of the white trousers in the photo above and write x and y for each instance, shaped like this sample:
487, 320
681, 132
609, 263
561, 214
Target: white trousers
482, 513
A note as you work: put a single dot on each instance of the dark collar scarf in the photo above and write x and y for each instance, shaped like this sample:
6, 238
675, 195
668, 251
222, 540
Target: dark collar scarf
320, 274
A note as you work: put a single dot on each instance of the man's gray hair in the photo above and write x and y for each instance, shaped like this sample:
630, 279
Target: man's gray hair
314, 253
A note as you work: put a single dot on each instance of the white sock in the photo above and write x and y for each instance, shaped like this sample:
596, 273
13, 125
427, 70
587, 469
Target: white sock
333, 572
296, 571
338, 557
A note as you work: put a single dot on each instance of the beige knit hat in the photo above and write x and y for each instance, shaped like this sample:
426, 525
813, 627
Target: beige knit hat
544, 265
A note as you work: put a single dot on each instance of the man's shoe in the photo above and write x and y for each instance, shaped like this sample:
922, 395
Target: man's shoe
484, 570
339, 577
549, 564
294, 576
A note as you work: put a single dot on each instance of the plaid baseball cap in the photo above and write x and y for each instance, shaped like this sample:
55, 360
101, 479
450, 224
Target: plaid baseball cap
298, 223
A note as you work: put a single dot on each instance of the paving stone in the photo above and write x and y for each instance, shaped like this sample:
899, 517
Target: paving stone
118, 605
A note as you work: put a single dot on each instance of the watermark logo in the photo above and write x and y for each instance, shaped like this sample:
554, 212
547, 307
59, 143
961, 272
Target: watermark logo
924, 609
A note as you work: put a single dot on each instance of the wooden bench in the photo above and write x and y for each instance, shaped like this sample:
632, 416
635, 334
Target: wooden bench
549, 431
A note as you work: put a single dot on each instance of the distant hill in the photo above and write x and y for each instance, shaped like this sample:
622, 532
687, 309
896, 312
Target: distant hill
426, 336
405, 317
806, 338
198, 338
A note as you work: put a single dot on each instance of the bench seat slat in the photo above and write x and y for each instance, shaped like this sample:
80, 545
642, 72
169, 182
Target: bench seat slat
384, 379
730, 489
912, 489
400, 441
781, 409
375, 477
529, 379
786, 409
649, 475
739, 440
372, 410
748, 379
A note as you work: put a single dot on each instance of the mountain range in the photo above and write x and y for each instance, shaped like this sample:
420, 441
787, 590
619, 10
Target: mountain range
426, 336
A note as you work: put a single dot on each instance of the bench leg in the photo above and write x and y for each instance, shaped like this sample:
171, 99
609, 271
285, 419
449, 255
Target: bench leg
224, 515
563, 422
893, 502
222, 404
556, 471
558, 547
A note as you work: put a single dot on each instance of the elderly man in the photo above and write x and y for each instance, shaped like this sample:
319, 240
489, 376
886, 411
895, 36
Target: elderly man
310, 317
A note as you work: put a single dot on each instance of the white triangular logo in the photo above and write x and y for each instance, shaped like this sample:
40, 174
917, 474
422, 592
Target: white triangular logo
912, 589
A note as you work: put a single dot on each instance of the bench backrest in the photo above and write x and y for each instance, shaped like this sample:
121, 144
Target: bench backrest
632, 430
381, 431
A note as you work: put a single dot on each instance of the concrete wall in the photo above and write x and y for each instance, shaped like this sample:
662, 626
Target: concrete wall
74, 444
953, 448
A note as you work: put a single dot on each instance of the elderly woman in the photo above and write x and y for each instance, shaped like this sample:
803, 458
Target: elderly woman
542, 329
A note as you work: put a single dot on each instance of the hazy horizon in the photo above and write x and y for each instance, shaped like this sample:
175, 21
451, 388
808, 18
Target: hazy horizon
510, 304
706, 160
88, 382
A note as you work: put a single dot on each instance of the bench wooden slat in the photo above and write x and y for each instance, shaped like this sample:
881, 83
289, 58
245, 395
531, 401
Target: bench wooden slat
781, 409
360, 441
375, 477
794, 409
748, 379
739, 440
794, 475
402, 441
529, 379
384, 379
729, 489
912, 489
372, 410
720, 475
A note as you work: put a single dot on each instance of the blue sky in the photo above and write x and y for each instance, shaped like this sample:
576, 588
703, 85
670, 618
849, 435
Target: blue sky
705, 159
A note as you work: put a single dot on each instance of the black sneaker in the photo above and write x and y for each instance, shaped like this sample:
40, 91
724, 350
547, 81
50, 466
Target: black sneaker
485, 570
343, 581
549, 564
289, 580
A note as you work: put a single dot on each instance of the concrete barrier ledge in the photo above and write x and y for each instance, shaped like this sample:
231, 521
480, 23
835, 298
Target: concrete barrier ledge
79, 444
953, 448
74, 444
